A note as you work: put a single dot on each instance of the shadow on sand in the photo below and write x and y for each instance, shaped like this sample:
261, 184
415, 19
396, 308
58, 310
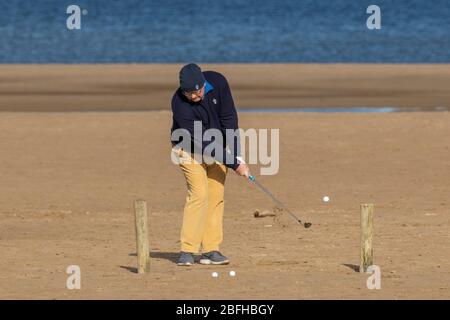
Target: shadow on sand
170, 256
354, 267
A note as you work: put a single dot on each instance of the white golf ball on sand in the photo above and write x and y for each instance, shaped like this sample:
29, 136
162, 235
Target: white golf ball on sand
326, 199
232, 273
215, 274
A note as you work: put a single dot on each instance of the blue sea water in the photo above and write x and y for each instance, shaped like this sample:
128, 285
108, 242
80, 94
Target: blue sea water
208, 31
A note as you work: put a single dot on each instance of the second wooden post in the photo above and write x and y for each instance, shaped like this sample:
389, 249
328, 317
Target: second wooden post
366, 258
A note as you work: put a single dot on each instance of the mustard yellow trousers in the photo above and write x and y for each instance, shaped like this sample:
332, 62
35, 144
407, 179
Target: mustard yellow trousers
203, 211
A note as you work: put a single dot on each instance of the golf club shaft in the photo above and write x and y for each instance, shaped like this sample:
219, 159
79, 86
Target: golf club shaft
278, 202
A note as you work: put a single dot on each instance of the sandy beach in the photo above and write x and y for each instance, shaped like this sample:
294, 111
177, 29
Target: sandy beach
69, 180
150, 87
356, 94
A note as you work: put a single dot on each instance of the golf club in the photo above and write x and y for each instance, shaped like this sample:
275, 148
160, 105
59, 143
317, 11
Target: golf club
278, 202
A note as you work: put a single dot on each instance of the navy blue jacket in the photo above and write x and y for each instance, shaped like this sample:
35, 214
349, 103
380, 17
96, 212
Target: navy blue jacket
216, 110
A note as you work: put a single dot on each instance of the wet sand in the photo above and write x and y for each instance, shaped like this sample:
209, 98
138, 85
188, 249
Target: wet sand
150, 87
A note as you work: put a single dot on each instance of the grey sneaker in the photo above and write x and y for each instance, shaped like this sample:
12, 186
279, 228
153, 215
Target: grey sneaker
186, 259
214, 257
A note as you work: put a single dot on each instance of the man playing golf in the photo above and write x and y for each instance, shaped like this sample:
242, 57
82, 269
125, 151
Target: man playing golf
204, 98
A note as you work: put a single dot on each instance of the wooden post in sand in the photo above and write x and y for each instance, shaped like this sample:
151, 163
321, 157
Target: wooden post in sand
366, 259
143, 254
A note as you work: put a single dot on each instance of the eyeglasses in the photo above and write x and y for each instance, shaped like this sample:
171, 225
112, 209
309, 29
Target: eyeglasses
190, 93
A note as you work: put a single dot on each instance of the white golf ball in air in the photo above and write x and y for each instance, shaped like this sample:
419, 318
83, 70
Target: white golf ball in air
326, 199
232, 273
215, 274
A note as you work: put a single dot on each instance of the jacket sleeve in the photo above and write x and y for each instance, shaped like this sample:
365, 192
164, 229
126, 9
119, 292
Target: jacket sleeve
229, 118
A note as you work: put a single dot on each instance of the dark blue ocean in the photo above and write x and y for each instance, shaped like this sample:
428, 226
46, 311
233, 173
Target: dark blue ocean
250, 31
